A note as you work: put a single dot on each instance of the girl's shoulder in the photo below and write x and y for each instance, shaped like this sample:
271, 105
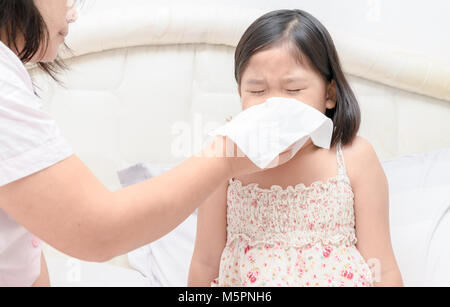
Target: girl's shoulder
358, 155
359, 149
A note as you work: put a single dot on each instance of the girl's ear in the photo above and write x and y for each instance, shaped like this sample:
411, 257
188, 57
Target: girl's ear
331, 95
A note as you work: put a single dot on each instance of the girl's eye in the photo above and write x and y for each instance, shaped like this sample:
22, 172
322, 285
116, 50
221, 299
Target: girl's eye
257, 92
294, 91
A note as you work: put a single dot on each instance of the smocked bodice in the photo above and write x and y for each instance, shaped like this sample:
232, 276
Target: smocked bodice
295, 216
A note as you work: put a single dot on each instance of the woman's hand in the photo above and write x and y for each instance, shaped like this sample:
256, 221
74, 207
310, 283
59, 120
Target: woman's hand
239, 163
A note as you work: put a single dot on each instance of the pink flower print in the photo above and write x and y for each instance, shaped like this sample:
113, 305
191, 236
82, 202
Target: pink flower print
327, 251
247, 248
254, 203
344, 273
252, 277
350, 275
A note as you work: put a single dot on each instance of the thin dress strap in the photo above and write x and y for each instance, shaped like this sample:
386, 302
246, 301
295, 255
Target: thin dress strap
340, 160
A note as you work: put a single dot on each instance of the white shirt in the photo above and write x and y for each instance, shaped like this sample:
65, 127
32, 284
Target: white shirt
30, 141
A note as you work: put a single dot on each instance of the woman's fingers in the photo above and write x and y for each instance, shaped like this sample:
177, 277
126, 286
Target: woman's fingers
284, 157
239, 163
280, 159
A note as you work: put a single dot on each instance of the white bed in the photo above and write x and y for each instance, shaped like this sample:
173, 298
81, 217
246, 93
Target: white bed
149, 69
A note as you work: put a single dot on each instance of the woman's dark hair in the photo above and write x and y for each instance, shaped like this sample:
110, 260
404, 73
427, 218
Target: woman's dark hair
22, 18
313, 41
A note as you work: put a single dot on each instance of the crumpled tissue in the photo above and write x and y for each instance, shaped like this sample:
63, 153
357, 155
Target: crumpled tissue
264, 131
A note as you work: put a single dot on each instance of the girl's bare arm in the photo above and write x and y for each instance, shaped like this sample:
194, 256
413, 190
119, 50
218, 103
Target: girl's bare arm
210, 240
371, 192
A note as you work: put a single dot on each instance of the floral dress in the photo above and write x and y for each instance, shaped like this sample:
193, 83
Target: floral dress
298, 236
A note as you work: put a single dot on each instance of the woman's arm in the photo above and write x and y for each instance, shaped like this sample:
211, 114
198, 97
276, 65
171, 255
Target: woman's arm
69, 208
210, 239
371, 192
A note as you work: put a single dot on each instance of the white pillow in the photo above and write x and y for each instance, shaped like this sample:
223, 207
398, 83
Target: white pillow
166, 261
419, 191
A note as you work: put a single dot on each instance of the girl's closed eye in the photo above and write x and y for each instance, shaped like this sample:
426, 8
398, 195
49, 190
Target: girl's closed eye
294, 91
257, 92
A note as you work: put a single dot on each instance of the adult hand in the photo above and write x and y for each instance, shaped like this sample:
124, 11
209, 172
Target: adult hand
239, 164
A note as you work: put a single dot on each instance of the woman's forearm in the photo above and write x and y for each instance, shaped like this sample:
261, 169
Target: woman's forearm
163, 202
70, 209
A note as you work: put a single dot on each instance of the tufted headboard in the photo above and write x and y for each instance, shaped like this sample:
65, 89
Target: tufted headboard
144, 72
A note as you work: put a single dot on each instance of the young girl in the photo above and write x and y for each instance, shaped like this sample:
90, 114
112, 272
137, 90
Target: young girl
273, 230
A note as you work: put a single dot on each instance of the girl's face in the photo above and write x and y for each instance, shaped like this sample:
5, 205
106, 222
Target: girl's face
57, 15
276, 72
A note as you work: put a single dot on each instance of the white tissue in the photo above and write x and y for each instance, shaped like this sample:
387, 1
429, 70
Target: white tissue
264, 131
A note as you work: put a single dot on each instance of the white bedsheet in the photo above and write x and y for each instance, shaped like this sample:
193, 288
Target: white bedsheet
166, 262
419, 191
66, 272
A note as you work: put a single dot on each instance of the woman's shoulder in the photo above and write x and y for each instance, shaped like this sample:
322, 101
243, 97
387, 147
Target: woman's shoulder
13, 75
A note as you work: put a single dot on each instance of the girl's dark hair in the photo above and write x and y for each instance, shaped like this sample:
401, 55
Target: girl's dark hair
313, 41
22, 18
